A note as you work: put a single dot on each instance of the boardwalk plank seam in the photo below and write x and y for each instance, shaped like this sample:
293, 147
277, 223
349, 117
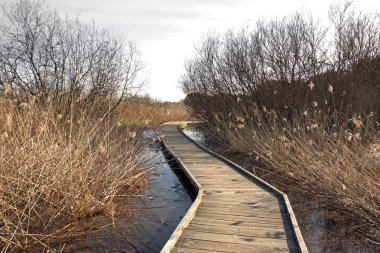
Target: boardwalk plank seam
180, 146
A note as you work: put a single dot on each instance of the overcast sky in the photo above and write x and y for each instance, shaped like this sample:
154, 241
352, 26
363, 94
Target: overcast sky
167, 30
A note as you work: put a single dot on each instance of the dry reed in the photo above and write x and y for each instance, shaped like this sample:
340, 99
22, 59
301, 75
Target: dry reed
339, 164
56, 171
151, 113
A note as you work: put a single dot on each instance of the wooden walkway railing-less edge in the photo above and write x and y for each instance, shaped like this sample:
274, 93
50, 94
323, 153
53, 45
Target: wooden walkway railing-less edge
198, 187
191, 212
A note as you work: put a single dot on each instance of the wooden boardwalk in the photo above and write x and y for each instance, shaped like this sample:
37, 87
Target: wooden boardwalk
234, 211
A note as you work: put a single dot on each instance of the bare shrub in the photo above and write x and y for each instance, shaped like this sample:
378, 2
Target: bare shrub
338, 167
303, 99
55, 172
64, 155
48, 57
145, 111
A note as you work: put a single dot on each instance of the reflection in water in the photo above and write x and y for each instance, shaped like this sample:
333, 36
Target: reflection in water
195, 134
164, 204
156, 211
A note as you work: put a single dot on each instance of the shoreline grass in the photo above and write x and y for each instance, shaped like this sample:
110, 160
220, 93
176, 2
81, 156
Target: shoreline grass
58, 171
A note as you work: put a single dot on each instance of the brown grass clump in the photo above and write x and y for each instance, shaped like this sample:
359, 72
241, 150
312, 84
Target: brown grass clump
151, 113
302, 97
56, 171
339, 164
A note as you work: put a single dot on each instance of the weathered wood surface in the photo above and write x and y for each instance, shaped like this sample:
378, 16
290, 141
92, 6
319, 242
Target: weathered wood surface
235, 212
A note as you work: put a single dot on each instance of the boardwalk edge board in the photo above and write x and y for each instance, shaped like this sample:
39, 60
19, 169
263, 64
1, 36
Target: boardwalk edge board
295, 227
190, 214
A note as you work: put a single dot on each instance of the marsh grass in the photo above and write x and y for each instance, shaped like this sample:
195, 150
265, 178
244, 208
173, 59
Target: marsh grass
302, 98
57, 171
152, 113
335, 162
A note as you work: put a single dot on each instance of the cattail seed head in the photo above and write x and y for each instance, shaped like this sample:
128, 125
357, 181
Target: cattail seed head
356, 120
357, 137
348, 135
6, 89
41, 129
240, 119
24, 106
132, 135
8, 121
240, 126
314, 126
4, 136
101, 148
330, 89
311, 85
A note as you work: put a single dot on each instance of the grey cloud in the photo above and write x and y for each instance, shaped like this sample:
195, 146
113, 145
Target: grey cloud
142, 19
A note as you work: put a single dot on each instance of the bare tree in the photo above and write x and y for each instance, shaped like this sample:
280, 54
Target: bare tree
272, 63
62, 59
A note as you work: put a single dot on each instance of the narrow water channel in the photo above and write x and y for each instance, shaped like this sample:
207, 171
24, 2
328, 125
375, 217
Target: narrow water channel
163, 204
160, 207
318, 230
156, 211
195, 134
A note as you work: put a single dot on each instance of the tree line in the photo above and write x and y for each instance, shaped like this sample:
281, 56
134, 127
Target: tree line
287, 64
50, 59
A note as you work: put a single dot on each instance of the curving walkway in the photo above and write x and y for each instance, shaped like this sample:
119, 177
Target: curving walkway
234, 210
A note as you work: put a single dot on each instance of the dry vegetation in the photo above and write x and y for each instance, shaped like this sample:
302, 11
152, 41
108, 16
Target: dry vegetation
303, 100
145, 111
56, 172
59, 172
70, 139
338, 167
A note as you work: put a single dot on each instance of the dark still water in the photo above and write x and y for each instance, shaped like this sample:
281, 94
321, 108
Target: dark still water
163, 204
195, 134
323, 230
156, 210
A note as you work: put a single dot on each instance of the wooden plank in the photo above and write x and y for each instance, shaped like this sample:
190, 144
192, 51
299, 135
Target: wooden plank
227, 181
256, 222
236, 213
187, 250
269, 203
240, 209
231, 189
213, 172
225, 185
249, 240
259, 217
239, 199
185, 243
249, 231
241, 192
232, 176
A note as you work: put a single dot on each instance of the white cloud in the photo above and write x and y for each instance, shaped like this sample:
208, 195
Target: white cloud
166, 30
